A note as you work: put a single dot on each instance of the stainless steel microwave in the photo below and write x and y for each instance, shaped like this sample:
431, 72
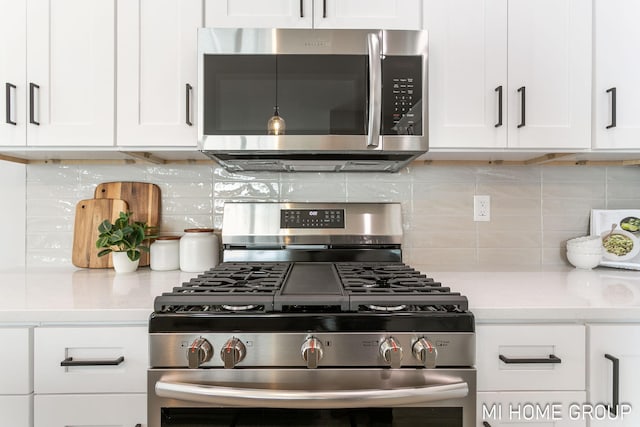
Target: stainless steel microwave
312, 100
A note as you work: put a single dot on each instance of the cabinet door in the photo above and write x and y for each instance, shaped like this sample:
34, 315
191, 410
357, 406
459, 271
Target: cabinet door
15, 411
13, 59
467, 73
549, 55
99, 410
384, 14
548, 409
611, 345
16, 361
259, 13
157, 72
617, 65
70, 57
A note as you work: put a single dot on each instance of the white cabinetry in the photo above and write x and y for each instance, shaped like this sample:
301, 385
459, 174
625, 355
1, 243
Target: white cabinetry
532, 55
617, 67
16, 379
394, 14
157, 72
107, 365
614, 373
530, 367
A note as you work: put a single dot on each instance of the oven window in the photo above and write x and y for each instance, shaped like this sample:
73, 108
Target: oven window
315, 94
378, 417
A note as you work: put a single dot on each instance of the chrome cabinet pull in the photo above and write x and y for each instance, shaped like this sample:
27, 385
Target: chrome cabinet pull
188, 91
70, 362
615, 392
32, 110
8, 90
612, 90
551, 359
522, 106
499, 90
375, 89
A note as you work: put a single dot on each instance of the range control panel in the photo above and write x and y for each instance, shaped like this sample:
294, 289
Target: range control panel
312, 218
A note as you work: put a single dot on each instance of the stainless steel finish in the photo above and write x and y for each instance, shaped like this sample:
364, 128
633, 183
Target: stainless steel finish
312, 352
426, 352
232, 352
258, 224
339, 349
391, 352
199, 352
375, 90
360, 152
307, 388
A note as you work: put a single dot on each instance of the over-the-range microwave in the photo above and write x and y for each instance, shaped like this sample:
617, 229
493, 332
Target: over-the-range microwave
312, 100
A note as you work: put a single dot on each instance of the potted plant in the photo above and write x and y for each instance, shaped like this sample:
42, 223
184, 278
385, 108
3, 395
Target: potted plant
124, 239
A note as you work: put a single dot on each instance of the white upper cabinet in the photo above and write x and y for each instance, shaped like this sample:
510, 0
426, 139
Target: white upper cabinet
157, 72
617, 67
385, 14
533, 55
70, 75
13, 58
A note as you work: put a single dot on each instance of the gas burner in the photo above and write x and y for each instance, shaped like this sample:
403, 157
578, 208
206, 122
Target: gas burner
248, 307
391, 308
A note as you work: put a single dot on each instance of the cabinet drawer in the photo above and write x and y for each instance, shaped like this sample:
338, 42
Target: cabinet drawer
16, 359
102, 359
530, 357
118, 410
15, 411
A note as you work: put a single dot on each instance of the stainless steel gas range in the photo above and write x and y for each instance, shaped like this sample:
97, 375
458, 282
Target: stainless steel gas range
312, 319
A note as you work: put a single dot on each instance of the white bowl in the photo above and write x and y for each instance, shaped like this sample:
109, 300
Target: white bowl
586, 261
586, 242
587, 251
635, 246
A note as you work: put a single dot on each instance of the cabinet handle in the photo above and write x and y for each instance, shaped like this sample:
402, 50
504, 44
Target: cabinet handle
301, 8
188, 91
613, 107
499, 90
70, 362
8, 86
552, 359
324, 8
138, 425
522, 106
613, 408
485, 424
32, 88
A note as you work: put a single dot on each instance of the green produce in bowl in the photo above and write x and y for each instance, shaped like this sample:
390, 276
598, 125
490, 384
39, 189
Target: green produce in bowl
630, 223
618, 244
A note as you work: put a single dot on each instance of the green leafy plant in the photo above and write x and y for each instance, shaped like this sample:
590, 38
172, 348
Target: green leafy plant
124, 235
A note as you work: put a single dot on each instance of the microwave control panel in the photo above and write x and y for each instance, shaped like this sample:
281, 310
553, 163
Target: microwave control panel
402, 95
312, 218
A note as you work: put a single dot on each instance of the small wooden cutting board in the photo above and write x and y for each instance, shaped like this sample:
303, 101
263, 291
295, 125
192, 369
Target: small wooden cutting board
143, 199
89, 215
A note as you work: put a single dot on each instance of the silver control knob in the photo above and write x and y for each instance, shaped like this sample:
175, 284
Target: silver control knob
199, 352
391, 352
425, 352
312, 352
232, 352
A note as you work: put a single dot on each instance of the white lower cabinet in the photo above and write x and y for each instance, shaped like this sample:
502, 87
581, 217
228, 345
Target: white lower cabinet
16, 379
90, 376
614, 374
15, 411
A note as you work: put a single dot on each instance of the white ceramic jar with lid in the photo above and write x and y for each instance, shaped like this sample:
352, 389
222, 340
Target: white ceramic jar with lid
165, 253
198, 250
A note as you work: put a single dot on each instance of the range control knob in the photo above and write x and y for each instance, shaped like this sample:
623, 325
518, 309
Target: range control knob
312, 352
425, 352
391, 352
232, 352
199, 352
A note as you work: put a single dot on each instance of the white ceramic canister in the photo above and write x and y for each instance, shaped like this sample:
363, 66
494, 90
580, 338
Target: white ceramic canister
165, 253
198, 250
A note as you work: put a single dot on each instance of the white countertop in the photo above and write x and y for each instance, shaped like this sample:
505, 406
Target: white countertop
37, 296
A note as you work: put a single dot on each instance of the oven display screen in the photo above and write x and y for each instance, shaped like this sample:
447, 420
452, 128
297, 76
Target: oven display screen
312, 218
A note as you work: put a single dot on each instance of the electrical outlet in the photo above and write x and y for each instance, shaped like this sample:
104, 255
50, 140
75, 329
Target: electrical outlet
481, 208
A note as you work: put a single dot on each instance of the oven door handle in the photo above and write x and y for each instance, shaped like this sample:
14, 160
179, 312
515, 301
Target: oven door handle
301, 399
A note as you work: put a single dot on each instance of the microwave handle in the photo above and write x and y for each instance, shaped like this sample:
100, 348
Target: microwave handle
375, 89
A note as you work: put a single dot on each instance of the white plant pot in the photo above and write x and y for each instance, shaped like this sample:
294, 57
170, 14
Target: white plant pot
122, 263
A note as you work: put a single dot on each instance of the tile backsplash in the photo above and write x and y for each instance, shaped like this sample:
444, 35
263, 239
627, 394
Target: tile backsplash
534, 209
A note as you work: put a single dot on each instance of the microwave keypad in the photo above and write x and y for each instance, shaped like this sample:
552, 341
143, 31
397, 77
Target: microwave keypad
403, 102
402, 93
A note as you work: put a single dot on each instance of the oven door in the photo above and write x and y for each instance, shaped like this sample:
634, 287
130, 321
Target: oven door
322, 397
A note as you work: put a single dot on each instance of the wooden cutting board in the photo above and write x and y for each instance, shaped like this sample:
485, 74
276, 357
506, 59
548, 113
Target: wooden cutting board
143, 199
89, 215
